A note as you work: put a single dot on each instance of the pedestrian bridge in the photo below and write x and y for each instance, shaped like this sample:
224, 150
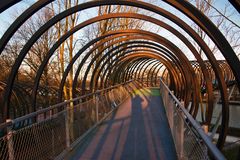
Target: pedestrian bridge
138, 129
126, 121
112, 79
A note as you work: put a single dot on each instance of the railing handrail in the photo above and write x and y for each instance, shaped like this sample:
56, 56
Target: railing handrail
11, 122
211, 147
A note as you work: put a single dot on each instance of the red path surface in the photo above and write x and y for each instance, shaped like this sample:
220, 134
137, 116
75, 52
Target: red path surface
138, 130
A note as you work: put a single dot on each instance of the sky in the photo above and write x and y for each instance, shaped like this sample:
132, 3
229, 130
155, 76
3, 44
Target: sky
219, 4
7, 17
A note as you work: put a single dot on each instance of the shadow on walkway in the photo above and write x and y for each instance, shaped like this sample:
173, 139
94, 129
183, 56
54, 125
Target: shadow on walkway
138, 130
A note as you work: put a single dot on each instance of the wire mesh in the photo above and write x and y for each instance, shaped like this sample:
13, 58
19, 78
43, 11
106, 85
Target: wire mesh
54, 131
43, 140
4, 148
190, 146
188, 142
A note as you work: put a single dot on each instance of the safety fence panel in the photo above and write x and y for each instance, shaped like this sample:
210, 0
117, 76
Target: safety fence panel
190, 140
40, 140
55, 130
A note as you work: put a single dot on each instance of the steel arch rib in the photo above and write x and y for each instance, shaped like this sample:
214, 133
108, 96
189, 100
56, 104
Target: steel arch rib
229, 55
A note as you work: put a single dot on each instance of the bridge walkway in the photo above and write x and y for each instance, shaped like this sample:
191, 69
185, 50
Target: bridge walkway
138, 130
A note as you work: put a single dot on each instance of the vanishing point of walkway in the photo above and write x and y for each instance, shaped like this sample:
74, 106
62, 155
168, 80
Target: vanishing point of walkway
138, 130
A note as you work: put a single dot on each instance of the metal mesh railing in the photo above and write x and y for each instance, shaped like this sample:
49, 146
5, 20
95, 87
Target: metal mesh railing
56, 129
40, 140
190, 140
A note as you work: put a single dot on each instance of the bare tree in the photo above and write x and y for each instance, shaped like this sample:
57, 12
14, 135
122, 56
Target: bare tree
105, 26
222, 21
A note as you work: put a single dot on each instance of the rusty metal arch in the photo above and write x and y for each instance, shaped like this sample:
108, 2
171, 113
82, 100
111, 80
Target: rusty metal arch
141, 67
150, 73
101, 60
131, 72
127, 60
184, 7
148, 56
116, 63
134, 70
212, 31
103, 65
197, 17
109, 68
35, 85
156, 75
146, 70
92, 63
82, 87
177, 79
136, 62
172, 69
84, 80
117, 68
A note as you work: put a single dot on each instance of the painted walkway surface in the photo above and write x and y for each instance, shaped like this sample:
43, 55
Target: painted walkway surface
138, 130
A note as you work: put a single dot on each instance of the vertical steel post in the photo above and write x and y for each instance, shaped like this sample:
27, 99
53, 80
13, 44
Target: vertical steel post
10, 143
67, 125
170, 114
180, 131
97, 105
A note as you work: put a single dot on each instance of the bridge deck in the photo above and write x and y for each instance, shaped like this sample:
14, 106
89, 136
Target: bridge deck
137, 130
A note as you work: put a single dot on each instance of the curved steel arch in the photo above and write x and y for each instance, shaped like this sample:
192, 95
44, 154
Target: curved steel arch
89, 21
171, 68
109, 68
213, 32
56, 16
70, 65
156, 75
105, 54
97, 65
78, 71
20, 20
150, 56
185, 7
136, 62
73, 87
117, 62
151, 71
176, 77
146, 70
139, 71
85, 78
60, 17
127, 59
